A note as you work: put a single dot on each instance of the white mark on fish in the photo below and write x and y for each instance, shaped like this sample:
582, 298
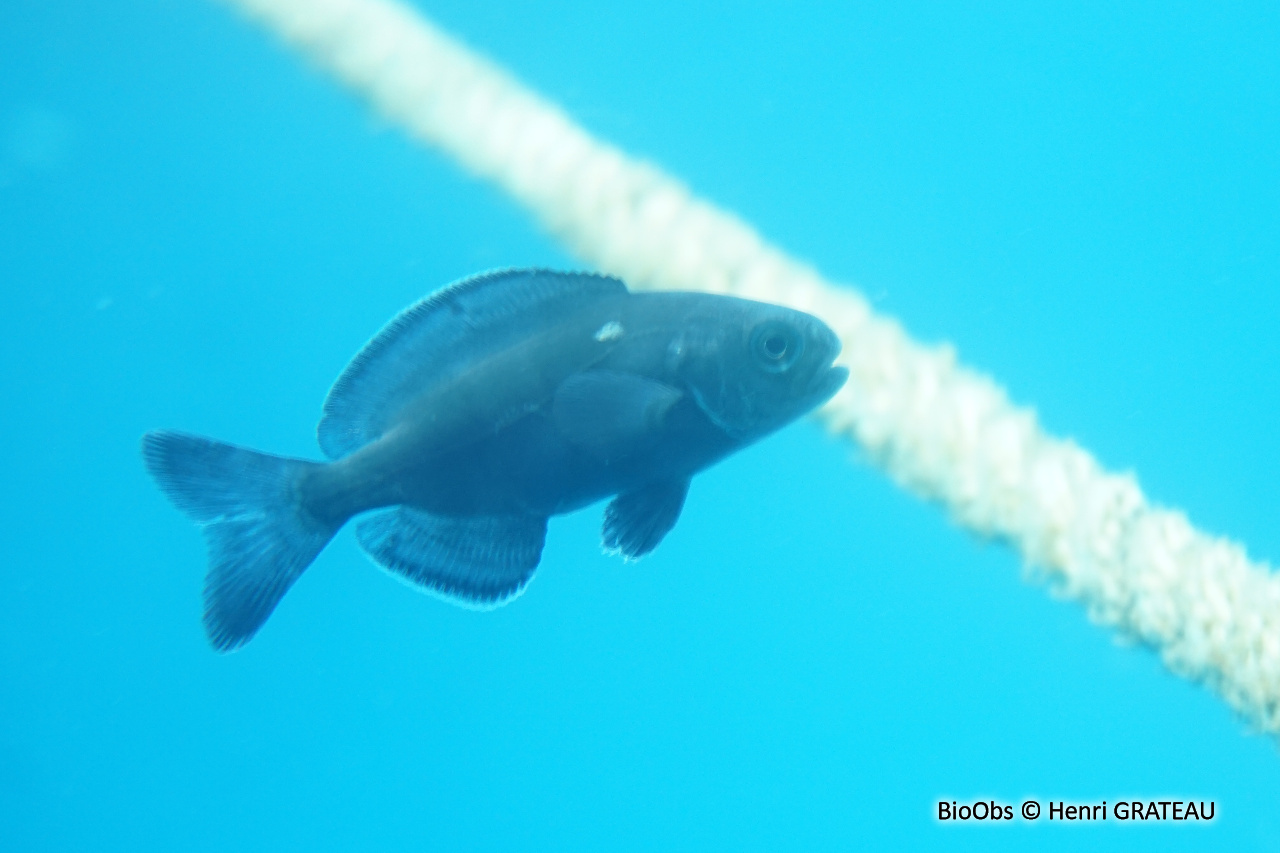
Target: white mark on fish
610, 331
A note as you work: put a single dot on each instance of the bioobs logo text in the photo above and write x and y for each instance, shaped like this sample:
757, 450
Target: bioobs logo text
981, 810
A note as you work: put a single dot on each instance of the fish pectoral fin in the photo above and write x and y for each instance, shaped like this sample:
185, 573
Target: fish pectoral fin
636, 521
480, 562
609, 412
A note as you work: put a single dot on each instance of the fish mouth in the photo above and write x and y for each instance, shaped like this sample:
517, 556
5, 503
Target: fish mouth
826, 383
829, 379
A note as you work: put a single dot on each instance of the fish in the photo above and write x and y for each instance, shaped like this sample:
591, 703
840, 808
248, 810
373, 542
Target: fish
481, 411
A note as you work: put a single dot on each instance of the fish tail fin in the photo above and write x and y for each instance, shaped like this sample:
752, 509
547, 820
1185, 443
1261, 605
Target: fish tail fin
260, 538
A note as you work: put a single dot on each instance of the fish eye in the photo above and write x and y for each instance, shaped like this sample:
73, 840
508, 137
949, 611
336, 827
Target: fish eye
776, 346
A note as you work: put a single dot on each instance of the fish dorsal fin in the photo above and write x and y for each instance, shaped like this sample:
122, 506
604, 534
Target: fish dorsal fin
438, 336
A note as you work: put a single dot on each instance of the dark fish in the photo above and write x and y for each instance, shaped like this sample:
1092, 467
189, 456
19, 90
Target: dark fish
476, 414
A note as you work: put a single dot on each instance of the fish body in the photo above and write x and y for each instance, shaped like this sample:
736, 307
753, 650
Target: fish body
488, 407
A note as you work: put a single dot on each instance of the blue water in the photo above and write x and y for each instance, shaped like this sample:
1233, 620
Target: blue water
196, 231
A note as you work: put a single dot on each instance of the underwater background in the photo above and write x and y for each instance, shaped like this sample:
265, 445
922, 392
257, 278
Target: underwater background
197, 231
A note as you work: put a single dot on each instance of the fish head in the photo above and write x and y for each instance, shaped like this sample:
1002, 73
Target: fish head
755, 367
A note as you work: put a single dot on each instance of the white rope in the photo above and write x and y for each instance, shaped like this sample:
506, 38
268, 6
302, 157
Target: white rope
943, 430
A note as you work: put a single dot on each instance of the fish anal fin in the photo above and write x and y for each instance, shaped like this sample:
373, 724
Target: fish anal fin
480, 562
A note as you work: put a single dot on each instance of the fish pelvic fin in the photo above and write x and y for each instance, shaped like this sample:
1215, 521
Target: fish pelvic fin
259, 537
636, 521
